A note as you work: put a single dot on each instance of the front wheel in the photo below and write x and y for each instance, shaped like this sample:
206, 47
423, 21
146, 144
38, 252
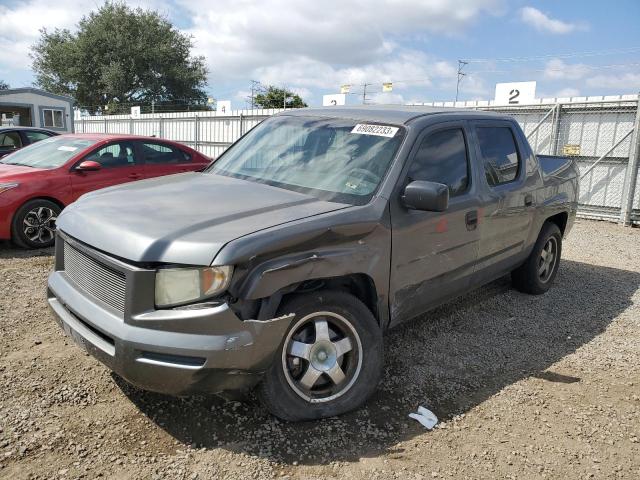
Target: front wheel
330, 360
34, 224
537, 274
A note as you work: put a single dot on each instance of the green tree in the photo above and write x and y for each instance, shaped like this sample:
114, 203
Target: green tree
119, 57
274, 97
4, 85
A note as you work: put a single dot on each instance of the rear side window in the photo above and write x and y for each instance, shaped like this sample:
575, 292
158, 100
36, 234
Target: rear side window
499, 154
156, 153
10, 140
442, 158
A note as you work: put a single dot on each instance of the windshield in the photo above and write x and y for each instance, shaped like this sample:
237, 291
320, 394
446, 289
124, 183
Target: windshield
331, 159
50, 153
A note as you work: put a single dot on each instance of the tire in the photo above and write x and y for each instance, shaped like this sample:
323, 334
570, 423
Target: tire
306, 347
40, 213
530, 276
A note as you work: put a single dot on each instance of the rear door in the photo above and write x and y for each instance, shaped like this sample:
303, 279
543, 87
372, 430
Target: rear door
119, 164
507, 202
164, 159
434, 253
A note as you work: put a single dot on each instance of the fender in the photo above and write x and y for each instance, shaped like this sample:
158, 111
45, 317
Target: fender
274, 275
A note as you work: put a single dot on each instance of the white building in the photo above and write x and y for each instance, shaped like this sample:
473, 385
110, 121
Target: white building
32, 107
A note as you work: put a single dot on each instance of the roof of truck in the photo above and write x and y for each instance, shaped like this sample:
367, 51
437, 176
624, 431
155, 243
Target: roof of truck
397, 114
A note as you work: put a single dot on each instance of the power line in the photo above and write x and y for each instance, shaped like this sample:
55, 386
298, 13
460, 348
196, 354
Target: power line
592, 53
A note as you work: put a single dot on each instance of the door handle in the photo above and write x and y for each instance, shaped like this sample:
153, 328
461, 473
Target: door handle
471, 219
528, 200
135, 176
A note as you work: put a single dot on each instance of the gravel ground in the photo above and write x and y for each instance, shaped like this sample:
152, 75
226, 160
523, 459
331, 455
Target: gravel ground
525, 387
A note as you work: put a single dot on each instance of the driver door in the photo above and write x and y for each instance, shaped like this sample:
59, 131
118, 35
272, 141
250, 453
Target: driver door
434, 253
118, 162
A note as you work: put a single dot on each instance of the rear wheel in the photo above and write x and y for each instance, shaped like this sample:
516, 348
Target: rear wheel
330, 360
34, 224
537, 274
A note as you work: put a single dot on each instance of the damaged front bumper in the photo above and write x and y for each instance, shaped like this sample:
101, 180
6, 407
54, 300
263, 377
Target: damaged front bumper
176, 351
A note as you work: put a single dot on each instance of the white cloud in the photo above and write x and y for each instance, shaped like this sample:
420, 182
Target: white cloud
567, 92
544, 23
320, 44
22, 21
557, 69
304, 45
621, 83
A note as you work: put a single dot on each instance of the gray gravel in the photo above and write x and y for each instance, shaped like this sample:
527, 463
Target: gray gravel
526, 387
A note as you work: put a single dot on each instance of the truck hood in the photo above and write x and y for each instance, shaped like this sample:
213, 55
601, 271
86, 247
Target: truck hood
184, 219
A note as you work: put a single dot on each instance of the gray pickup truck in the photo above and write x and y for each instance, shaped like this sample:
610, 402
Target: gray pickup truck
284, 262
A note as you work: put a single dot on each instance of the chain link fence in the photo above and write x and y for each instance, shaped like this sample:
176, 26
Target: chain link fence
601, 135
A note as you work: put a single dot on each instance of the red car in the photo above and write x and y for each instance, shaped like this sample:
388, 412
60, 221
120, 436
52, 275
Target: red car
38, 181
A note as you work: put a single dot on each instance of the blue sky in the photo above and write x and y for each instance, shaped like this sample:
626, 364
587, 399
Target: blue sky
580, 47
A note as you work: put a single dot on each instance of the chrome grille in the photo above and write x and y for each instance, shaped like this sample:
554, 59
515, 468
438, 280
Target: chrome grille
102, 282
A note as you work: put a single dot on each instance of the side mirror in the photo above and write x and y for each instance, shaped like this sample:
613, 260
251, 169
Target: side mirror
429, 196
88, 166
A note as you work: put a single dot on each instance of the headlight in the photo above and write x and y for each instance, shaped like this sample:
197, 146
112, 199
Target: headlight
7, 186
176, 286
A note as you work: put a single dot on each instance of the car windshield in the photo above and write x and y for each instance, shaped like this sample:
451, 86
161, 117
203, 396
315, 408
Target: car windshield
50, 153
331, 159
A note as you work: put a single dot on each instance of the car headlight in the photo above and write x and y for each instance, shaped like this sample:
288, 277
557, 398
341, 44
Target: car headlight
7, 186
177, 286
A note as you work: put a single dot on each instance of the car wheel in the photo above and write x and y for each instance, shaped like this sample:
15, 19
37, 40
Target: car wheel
537, 274
330, 360
34, 224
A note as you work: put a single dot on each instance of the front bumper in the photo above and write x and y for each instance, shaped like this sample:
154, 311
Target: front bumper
176, 352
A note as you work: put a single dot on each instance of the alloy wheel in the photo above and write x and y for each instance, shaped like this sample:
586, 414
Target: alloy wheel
548, 259
39, 225
322, 357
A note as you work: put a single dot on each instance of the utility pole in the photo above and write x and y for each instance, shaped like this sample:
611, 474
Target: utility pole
461, 64
364, 92
255, 87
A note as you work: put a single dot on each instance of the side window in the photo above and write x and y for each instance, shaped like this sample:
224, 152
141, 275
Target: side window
442, 158
10, 140
156, 153
34, 136
499, 154
114, 155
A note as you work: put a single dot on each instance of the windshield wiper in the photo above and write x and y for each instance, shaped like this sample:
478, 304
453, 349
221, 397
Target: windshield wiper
18, 164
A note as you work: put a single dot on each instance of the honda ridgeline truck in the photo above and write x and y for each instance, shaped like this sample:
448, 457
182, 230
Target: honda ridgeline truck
283, 263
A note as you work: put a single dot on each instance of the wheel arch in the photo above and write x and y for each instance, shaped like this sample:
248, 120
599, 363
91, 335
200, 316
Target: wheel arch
360, 285
560, 219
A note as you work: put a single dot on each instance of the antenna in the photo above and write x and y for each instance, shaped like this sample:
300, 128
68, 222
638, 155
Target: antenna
461, 65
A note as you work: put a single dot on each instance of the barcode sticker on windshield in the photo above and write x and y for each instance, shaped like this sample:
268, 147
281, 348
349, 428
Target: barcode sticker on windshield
377, 130
65, 148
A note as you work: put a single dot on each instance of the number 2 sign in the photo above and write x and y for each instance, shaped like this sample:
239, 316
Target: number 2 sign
515, 93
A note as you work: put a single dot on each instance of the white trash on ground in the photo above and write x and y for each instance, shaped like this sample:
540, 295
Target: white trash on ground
426, 417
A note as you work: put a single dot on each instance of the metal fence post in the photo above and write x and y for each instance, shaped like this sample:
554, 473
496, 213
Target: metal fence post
555, 130
631, 175
241, 124
196, 133
106, 127
160, 127
131, 126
